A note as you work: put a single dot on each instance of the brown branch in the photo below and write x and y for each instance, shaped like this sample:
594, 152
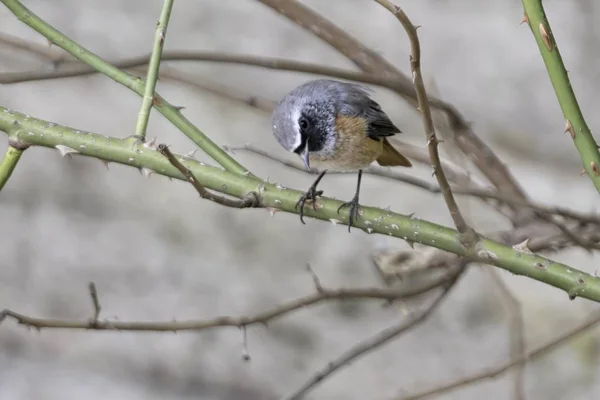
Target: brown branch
249, 201
372, 343
468, 235
44, 52
369, 61
321, 295
493, 372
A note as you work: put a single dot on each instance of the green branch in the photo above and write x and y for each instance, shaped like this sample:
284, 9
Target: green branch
171, 112
153, 66
574, 122
31, 131
8, 164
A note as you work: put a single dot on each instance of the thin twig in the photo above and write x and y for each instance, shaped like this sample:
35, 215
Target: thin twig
250, 200
493, 372
44, 52
95, 302
516, 331
372, 343
468, 235
196, 325
153, 67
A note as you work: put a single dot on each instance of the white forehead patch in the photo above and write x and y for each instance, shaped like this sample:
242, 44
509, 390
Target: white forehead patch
295, 117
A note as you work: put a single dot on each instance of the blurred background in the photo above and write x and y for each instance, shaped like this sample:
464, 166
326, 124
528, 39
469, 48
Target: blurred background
157, 252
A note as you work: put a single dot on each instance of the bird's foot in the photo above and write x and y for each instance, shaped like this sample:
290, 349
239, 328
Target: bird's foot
354, 206
310, 195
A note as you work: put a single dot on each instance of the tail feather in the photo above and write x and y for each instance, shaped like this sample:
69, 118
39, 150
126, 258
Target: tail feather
390, 157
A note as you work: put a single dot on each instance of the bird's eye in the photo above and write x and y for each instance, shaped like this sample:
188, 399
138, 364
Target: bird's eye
303, 123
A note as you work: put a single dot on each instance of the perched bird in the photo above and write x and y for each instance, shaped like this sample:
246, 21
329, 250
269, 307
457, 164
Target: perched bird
335, 126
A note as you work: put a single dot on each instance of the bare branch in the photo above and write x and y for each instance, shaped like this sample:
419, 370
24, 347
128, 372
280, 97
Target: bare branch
196, 325
249, 201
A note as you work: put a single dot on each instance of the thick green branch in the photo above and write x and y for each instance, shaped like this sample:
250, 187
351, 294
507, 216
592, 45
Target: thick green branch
171, 112
574, 122
153, 66
8, 164
130, 152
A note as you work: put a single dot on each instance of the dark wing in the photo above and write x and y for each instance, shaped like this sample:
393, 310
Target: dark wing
379, 124
357, 102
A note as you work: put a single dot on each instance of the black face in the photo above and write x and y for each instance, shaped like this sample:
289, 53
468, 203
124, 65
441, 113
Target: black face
311, 133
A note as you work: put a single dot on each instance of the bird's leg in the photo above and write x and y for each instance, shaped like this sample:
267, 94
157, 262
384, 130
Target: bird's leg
311, 194
353, 204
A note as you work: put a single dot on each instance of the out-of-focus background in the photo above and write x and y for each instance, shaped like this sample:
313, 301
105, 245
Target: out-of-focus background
157, 252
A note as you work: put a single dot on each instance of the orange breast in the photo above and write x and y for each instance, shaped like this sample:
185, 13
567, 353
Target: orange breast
353, 149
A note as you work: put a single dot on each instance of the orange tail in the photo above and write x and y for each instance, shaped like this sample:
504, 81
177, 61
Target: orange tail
391, 157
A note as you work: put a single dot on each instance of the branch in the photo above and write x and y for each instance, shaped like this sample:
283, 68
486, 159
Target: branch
471, 189
171, 112
574, 122
432, 141
250, 200
372, 343
10, 161
153, 67
321, 295
493, 372
32, 131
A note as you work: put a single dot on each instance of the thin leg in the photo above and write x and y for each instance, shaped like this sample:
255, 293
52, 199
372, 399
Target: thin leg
353, 204
311, 194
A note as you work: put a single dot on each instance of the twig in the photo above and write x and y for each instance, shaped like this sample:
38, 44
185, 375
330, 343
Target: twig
153, 67
493, 372
575, 123
196, 325
369, 61
9, 163
249, 201
95, 302
468, 235
372, 343
516, 331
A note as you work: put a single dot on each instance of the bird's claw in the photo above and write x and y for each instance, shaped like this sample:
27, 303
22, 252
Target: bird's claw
311, 194
353, 204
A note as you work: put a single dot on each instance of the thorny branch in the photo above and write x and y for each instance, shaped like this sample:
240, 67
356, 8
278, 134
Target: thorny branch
468, 235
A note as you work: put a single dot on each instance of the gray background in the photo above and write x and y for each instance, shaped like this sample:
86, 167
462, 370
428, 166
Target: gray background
157, 252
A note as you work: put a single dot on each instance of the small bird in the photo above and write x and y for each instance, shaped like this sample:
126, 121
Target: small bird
335, 126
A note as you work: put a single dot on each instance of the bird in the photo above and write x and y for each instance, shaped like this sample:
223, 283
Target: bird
335, 126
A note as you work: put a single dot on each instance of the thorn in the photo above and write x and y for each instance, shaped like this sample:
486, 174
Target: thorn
569, 128
411, 215
410, 243
582, 173
146, 172
335, 221
105, 164
595, 168
190, 154
271, 210
179, 108
522, 247
151, 144
525, 19
545, 37
49, 42
64, 150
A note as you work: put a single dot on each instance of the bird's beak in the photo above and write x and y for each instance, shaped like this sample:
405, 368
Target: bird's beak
304, 156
